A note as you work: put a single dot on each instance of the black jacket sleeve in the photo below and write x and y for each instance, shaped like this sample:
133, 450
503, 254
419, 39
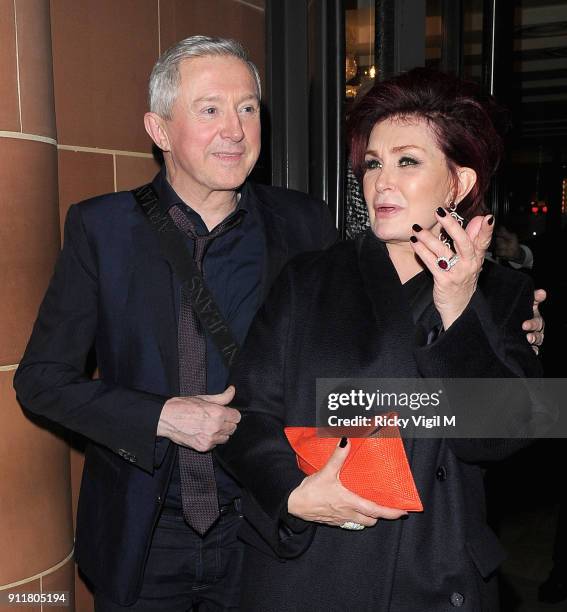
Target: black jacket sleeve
51, 379
487, 341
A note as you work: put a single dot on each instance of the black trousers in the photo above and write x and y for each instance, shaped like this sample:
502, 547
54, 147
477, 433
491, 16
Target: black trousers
187, 572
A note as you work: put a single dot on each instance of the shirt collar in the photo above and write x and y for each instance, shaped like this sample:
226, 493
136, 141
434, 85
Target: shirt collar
168, 197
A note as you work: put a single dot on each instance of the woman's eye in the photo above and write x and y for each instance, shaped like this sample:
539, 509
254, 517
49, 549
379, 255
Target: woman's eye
372, 164
408, 161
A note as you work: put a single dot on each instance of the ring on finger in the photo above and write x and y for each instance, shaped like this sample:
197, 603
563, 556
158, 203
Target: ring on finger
446, 263
351, 526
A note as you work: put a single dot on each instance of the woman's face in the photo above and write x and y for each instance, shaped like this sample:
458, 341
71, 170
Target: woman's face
406, 178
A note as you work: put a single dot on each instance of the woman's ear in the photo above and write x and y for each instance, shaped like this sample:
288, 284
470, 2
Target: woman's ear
466, 180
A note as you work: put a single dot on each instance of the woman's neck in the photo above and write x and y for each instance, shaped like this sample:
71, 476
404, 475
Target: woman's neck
405, 262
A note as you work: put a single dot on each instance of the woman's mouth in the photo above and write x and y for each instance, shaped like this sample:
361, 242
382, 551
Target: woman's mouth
386, 210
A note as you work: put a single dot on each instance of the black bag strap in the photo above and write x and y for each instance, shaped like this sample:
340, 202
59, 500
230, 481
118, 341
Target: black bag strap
174, 248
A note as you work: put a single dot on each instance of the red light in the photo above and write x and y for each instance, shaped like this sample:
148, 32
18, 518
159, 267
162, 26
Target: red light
535, 210
544, 210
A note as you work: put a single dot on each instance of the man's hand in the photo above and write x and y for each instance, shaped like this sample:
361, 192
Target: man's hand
321, 498
506, 245
199, 422
536, 326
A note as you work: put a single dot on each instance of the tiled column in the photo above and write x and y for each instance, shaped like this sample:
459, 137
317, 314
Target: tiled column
35, 507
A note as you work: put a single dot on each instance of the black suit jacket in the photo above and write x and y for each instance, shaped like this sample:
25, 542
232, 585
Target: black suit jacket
343, 314
112, 289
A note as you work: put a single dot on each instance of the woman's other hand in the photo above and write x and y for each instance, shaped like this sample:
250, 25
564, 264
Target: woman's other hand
453, 288
321, 498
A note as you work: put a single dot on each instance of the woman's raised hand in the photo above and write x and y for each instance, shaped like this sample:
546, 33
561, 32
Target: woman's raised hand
321, 498
454, 286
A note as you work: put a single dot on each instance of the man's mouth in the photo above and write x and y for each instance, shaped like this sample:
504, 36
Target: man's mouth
229, 155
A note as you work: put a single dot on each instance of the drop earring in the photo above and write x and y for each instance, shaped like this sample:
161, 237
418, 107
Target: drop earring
453, 212
443, 236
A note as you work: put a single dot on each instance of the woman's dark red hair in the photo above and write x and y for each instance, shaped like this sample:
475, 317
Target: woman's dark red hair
461, 117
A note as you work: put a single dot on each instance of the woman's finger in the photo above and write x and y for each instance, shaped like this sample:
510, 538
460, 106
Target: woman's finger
432, 242
461, 241
353, 517
427, 256
484, 237
473, 227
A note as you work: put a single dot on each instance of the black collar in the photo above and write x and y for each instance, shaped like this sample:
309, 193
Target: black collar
168, 197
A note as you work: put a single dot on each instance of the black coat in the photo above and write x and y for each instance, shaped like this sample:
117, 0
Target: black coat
112, 289
342, 314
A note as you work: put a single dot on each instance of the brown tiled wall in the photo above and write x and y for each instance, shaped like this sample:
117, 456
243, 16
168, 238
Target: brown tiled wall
35, 510
103, 52
29, 237
9, 109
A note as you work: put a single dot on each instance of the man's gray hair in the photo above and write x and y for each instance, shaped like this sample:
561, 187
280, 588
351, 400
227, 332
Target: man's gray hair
164, 79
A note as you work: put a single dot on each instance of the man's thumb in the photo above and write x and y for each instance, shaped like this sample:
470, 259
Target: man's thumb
223, 398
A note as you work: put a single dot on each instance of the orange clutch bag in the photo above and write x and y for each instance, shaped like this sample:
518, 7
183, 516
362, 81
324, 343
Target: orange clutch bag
376, 468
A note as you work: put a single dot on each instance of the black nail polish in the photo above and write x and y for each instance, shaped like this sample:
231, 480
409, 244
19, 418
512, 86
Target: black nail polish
413, 239
416, 228
491, 220
441, 212
343, 442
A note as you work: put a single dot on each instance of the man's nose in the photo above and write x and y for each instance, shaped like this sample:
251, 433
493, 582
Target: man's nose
232, 126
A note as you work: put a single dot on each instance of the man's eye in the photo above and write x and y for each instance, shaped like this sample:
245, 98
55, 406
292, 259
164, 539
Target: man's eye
250, 110
408, 161
210, 110
372, 164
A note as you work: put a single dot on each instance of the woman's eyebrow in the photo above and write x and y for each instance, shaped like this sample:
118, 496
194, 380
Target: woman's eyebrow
404, 147
398, 149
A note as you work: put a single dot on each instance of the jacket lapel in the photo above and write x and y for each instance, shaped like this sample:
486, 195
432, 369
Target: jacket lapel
151, 295
277, 250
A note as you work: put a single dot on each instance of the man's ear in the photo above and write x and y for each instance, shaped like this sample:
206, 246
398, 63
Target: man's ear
466, 180
155, 127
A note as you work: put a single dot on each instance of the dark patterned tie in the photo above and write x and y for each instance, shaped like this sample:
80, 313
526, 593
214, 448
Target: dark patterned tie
198, 485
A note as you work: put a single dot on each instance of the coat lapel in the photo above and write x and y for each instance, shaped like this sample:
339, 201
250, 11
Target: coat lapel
391, 310
277, 250
393, 314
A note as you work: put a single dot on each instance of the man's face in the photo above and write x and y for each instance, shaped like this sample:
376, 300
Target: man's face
214, 131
